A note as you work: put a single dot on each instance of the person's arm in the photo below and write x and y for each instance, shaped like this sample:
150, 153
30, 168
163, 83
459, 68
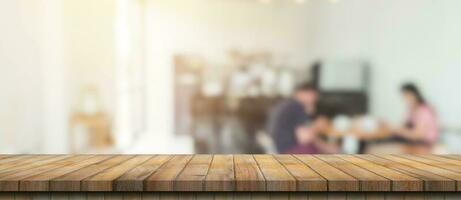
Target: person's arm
417, 133
325, 147
421, 127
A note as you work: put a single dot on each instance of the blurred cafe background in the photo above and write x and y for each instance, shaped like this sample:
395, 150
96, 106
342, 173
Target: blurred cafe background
205, 76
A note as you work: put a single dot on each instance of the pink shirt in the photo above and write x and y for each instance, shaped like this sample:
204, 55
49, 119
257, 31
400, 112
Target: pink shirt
426, 116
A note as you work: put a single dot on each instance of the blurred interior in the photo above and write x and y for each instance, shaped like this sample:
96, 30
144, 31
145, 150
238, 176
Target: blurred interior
201, 76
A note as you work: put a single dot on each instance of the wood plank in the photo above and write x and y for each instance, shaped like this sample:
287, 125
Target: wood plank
445, 160
369, 181
71, 181
3, 156
33, 165
277, 177
163, 178
451, 156
103, 181
19, 163
221, 175
41, 182
306, 178
248, 176
432, 182
133, 180
11, 181
193, 176
400, 181
452, 165
14, 161
419, 165
337, 179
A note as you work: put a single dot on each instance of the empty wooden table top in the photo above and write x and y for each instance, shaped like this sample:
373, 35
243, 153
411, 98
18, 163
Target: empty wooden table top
230, 173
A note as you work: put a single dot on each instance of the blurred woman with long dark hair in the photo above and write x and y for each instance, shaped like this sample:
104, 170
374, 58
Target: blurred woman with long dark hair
421, 129
418, 134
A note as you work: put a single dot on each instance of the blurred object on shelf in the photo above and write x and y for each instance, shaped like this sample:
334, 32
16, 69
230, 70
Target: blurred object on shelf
89, 103
90, 132
187, 82
218, 101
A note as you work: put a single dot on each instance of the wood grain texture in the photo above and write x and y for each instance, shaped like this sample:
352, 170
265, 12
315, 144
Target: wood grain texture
435, 161
306, 178
163, 178
451, 156
432, 182
337, 179
13, 179
192, 178
27, 163
133, 180
248, 176
41, 182
72, 181
426, 167
226, 173
13, 161
221, 176
229, 196
277, 177
452, 163
369, 181
103, 181
400, 181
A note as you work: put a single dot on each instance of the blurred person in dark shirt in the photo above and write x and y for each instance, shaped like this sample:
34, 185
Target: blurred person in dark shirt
294, 126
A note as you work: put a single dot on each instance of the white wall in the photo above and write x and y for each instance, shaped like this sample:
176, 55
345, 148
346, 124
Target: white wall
49, 51
89, 34
416, 40
31, 102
